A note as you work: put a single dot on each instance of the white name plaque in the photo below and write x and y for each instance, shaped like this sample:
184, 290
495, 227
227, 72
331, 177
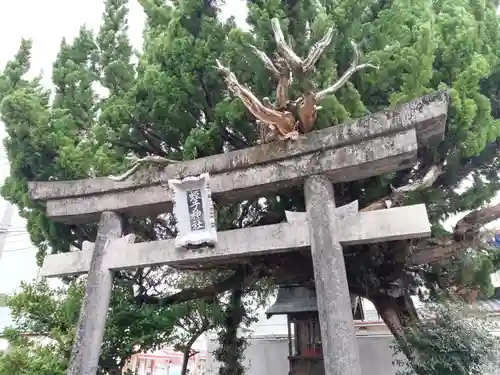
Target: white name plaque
193, 211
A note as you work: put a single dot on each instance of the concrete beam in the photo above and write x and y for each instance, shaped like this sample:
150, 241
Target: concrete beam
352, 162
84, 200
427, 115
365, 227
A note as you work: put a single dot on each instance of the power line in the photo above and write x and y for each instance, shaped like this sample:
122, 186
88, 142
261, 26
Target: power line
16, 235
20, 249
5, 222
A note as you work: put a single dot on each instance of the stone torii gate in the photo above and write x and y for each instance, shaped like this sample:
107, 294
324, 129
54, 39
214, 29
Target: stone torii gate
381, 143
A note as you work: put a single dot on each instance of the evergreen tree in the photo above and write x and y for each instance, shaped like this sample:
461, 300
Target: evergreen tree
50, 313
174, 104
463, 329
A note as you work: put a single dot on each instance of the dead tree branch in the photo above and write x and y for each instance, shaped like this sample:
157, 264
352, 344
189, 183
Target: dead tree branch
317, 50
392, 199
283, 119
284, 122
268, 64
137, 163
294, 61
355, 66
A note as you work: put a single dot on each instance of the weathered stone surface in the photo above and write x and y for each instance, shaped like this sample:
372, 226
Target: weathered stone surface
364, 227
351, 162
342, 213
338, 337
426, 114
193, 211
380, 143
90, 330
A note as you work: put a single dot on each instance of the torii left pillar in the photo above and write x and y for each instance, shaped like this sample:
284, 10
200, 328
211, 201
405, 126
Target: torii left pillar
338, 337
91, 325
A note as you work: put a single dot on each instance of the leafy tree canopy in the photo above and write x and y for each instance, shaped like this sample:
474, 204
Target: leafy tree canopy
51, 314
454, 339
173, 103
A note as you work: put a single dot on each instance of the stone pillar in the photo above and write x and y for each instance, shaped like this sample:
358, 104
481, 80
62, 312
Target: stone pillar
90, 330
338, 337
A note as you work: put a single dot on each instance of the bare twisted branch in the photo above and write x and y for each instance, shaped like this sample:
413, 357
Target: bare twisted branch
317, 50
281, 121
137, 163
294, 61
268, 64
345, 77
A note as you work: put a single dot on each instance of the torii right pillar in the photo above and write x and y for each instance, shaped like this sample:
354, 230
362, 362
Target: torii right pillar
340, 350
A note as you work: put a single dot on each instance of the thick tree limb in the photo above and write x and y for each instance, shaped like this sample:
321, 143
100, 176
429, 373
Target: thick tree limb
398, 314
317, 50
468, 227
294, 61
424, 183
307, 112
189, 294
345, 77
283, 121
466, 231
466, 234
137, 163
268, 64
434, 250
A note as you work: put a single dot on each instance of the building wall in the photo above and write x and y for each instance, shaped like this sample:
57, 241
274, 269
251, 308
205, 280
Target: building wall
167, 361
268, 356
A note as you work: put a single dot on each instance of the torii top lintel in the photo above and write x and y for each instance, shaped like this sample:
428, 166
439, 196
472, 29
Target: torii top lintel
373, 145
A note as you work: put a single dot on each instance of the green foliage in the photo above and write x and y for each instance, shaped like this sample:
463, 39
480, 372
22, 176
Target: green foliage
32, 358
53, 313
230, 352
454, 340
196, 318
3, 299
173, 103
468, 270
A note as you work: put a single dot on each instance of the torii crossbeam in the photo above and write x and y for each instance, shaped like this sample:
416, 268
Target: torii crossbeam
383, 142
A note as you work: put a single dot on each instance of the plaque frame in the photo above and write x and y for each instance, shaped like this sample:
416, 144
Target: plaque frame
185, 235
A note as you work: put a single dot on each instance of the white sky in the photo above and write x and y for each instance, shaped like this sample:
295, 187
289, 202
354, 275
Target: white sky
46, 22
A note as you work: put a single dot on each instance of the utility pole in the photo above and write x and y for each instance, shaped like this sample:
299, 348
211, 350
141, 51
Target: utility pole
5, 221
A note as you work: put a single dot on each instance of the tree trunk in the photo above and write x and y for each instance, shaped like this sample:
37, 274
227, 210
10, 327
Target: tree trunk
114, 371
399, 313
187, 353
231, 347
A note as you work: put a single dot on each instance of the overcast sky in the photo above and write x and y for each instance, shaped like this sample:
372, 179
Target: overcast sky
46, 22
